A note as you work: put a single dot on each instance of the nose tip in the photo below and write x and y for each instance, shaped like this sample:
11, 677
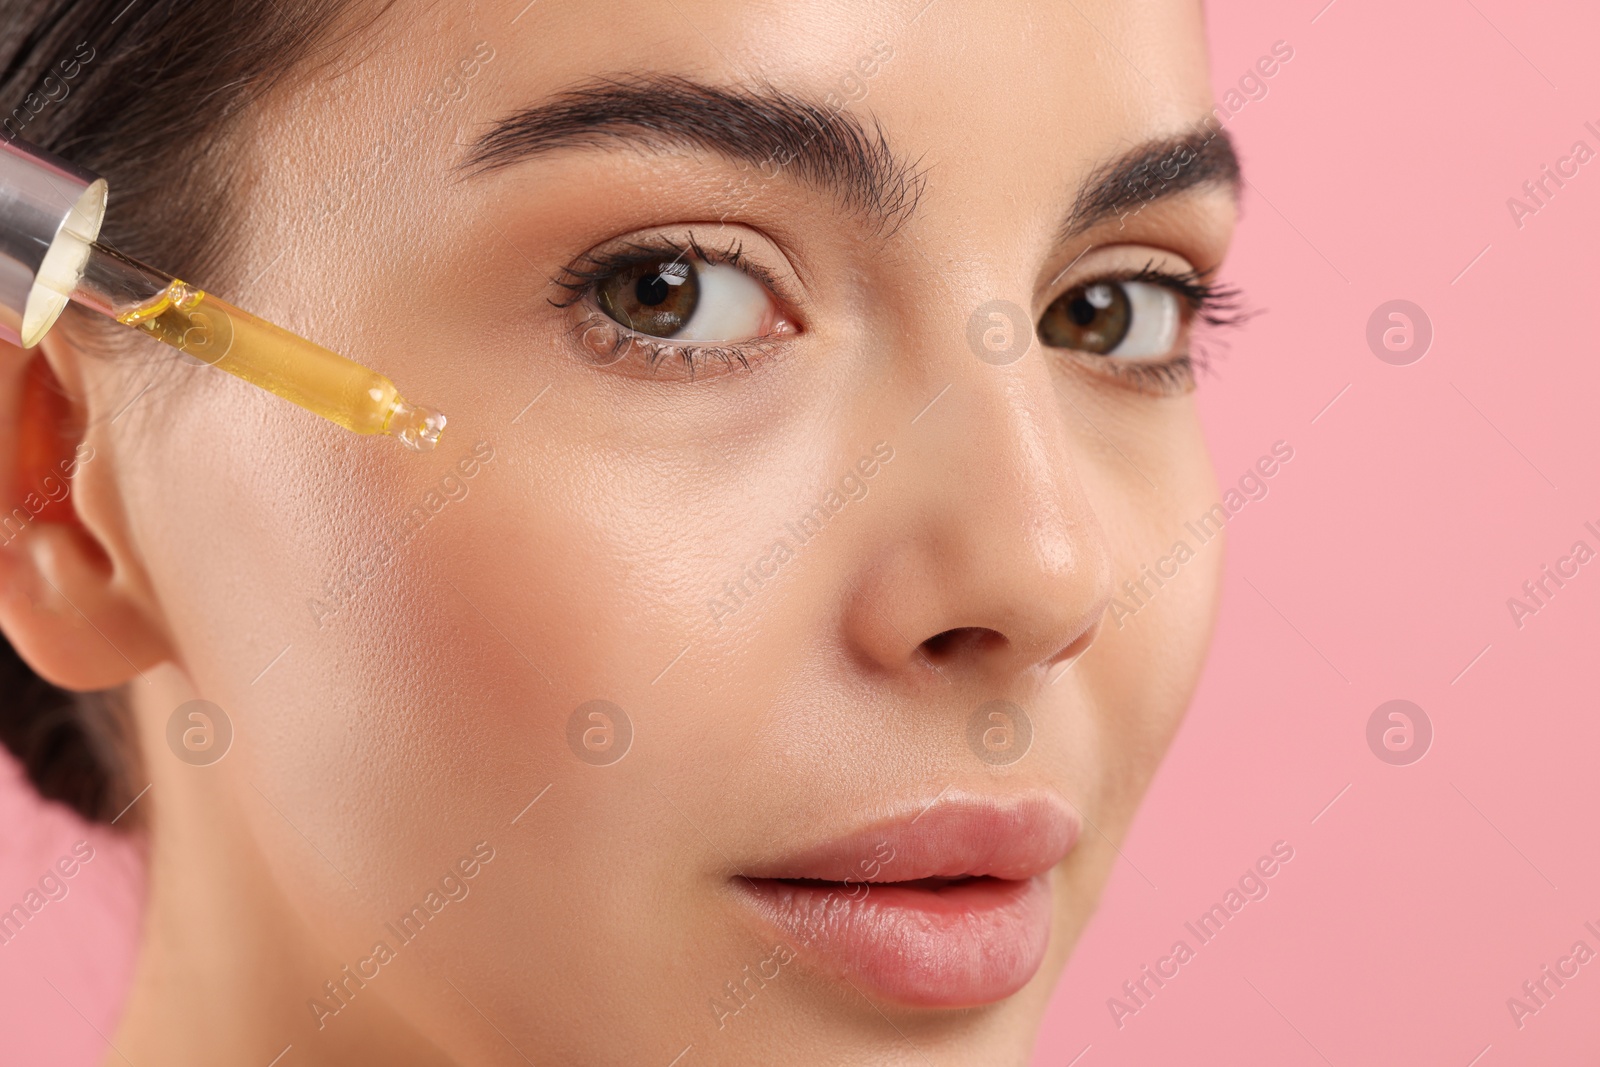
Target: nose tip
993, 558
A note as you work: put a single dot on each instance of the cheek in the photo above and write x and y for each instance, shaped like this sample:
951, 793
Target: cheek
1137, 709
1122, 715
328, 632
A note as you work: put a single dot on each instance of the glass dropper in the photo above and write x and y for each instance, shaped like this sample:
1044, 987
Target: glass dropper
50, 216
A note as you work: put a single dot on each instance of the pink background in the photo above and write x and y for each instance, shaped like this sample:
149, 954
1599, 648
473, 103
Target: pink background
62, 979
1378, 567
1414, 507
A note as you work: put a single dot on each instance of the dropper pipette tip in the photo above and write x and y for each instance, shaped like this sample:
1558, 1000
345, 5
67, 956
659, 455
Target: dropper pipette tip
418, 428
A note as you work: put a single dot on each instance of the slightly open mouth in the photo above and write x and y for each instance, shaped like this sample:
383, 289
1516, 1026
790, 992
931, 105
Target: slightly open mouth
930, 884
817, 900
947, 904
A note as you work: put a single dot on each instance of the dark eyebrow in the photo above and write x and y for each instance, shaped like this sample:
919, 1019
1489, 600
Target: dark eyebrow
828, 147
1153, 171
765, 127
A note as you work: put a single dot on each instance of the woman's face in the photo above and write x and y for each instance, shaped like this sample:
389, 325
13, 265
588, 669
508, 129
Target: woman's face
777, 710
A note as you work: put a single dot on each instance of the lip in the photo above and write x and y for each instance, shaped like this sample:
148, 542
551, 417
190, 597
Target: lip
947, 905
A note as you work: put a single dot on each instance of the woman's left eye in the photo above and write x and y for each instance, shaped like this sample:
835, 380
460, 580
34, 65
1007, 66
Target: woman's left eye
687, 299
1134, 321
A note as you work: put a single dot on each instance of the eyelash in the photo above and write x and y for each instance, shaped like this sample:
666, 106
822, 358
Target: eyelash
1215, 305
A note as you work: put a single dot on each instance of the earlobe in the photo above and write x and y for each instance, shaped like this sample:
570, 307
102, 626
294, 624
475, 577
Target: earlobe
65, 617
62, 605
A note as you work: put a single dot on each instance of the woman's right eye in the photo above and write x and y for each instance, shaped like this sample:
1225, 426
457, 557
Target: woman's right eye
688, 299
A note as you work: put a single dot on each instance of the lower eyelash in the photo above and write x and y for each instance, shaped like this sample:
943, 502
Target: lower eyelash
608, 342
1174, 376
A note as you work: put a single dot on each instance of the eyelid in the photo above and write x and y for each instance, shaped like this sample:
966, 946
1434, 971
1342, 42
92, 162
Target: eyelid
1191, 283
612, 256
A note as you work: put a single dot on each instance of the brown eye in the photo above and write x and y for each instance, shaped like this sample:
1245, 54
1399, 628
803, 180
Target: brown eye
657, 299
1130, 321
1090, 318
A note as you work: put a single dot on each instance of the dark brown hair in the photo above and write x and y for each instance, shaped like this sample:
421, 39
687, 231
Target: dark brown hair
143, 93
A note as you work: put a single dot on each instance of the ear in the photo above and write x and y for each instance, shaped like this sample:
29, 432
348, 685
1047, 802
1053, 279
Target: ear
65, 606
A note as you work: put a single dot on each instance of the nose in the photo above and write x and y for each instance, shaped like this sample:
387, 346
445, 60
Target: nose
991, 560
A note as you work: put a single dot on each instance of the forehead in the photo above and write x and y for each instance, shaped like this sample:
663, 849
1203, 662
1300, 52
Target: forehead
1007, 92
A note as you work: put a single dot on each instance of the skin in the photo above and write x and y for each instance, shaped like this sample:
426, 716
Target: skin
423, 714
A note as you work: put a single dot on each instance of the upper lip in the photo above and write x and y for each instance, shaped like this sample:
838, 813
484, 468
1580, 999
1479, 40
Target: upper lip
964, 836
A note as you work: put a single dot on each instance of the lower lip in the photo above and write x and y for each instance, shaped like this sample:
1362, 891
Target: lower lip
969, 943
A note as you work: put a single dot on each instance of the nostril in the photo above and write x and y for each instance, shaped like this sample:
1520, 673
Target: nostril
962, 642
